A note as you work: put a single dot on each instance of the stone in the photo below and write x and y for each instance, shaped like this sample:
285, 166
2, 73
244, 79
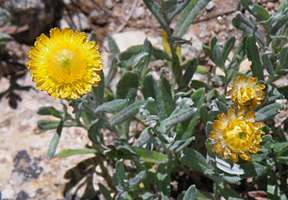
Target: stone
139, 13
22, 195
98, 17
130, 38
109, 4
80, 21
67, 2
210, 6
25, 168
33, 17
270, 5
245, 65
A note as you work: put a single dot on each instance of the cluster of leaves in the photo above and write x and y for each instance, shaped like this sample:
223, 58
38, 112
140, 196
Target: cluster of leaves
166, 155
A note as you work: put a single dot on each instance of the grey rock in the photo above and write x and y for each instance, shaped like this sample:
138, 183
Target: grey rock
34, 16
139, 13
98, 17
22, 195
210, 6
26, 167
79, 22
109, 4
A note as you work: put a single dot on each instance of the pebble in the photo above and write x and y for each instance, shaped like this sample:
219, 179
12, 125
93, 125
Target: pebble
98, 17
139, 13
220, 19
109, 4
79, 20
210, 6
270, 5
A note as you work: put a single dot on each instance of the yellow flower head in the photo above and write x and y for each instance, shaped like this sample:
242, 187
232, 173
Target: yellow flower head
66, 64
246, 91
236, 135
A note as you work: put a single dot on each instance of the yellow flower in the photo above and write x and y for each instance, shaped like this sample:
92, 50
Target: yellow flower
236, 135
246, 91
66, 64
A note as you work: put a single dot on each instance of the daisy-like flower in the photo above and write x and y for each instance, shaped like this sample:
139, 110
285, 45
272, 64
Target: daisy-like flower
236, 135
66, 64
246, 91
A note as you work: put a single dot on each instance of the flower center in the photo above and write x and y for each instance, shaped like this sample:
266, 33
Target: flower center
66, 65
242, 135
64, 58
236, 137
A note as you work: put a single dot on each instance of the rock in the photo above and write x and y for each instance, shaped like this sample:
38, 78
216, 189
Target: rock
79, 22
67, 2
22, 195
217, 28
25, 168
245, 65
219, 72
109, 4
98, 17
8, 193
194, 49
33, 17
221, 20
270, 5
130, 38
139, 13
210, 6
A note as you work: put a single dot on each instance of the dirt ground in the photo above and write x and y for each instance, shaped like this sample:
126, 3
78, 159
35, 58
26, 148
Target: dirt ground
25, 171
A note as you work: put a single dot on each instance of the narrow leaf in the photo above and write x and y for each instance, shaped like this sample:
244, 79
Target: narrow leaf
113, 45
151, 156
180, 116
191, 193
247, 26
4, 38
72, 152
268, 112
198, 163
188, 15
190, 68
148, 86
228, 47
198, 97
53, 145
127, 113
260, 12
155, 9
112, 106
217, 54
254, 57
49, 110
189, 132
128, 81
163, 97
47, 124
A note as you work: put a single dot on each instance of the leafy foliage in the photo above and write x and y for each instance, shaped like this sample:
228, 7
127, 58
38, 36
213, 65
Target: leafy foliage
174, 115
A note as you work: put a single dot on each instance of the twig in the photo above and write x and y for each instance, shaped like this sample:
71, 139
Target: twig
104, 9
215, 16
129, 16
106, 175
